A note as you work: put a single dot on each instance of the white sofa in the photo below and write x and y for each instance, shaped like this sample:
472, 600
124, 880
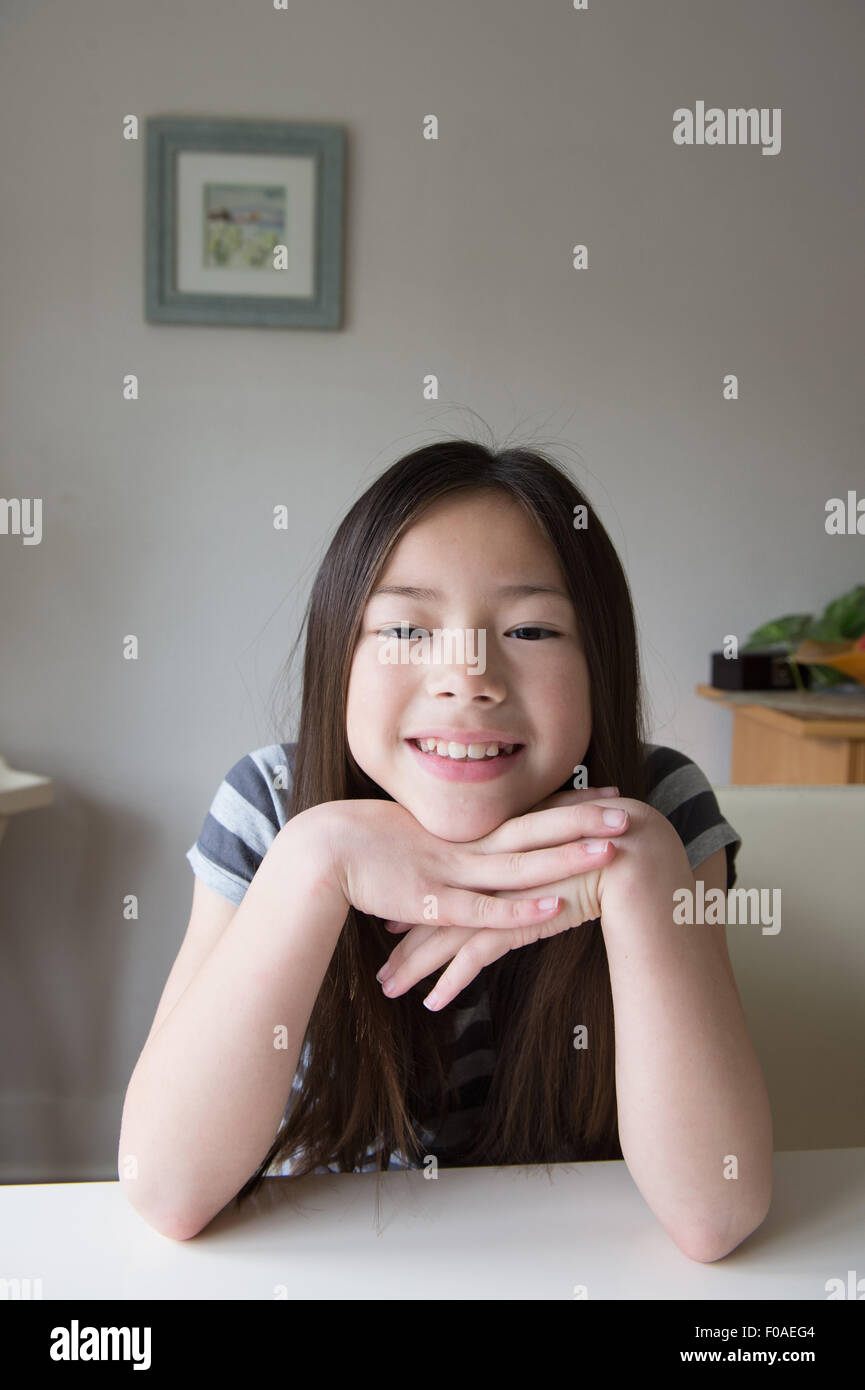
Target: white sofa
803, 989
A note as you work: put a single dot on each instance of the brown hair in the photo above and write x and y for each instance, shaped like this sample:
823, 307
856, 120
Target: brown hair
378, 1065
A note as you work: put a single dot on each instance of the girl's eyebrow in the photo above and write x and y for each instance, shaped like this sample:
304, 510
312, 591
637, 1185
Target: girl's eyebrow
504, 591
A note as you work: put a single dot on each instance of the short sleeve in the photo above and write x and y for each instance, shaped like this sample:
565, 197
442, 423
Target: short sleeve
249, 808
680, 790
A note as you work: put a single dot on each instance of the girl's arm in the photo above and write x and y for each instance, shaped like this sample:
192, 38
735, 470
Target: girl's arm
692, 1102
211, 1084
210, 1087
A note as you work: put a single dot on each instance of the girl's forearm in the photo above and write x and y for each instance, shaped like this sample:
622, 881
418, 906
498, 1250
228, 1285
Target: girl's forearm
692, 1103
210, 1087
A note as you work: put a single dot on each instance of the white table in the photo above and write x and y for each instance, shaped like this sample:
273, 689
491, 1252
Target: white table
490, 1233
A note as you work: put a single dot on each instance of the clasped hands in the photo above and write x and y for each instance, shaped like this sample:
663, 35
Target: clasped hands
427, 945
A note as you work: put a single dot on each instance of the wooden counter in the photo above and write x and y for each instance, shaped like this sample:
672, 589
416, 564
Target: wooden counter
794, 737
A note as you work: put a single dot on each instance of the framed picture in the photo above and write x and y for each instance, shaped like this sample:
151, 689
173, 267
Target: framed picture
244, 222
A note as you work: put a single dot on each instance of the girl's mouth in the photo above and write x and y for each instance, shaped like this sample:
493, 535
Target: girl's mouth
466, 769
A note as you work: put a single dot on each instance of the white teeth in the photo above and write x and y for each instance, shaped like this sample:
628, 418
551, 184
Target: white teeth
461, 751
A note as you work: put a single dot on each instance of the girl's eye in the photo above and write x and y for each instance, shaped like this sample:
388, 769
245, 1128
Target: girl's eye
408, 630
404, 631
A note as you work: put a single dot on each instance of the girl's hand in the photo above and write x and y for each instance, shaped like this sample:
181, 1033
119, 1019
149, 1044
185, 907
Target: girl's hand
428, 945
388, 865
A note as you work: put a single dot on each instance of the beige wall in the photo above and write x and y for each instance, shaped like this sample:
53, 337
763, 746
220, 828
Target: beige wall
555, 128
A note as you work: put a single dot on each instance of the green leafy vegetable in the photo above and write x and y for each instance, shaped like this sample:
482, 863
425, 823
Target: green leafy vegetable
842, 620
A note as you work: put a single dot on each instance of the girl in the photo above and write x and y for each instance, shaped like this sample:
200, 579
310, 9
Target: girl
464, 805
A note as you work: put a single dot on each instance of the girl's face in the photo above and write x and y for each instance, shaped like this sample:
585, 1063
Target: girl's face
483, 663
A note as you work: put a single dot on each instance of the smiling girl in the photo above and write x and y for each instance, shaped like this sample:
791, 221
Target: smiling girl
540, 1004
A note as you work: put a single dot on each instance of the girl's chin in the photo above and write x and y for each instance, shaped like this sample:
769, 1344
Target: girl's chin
458, 828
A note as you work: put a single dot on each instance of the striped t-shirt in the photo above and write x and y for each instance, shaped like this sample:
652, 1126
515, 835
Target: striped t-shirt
252, 804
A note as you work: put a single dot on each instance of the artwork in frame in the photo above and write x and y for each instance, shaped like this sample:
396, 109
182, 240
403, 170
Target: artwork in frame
244, 222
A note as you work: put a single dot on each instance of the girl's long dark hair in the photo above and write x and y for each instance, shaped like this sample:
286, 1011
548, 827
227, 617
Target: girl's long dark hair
377, 1065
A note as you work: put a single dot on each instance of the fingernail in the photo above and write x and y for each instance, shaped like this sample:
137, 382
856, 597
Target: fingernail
594, 846
614, 818
385, 973
431, 1001
608, 791
546, 903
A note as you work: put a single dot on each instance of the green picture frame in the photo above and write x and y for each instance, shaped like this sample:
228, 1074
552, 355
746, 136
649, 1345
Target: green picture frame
225, 199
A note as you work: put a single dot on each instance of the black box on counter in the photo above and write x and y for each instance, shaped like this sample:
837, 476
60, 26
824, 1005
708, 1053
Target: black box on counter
755, 671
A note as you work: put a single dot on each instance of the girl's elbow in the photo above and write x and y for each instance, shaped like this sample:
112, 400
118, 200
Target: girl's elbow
173, 1227
171, 1223
708, 1245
